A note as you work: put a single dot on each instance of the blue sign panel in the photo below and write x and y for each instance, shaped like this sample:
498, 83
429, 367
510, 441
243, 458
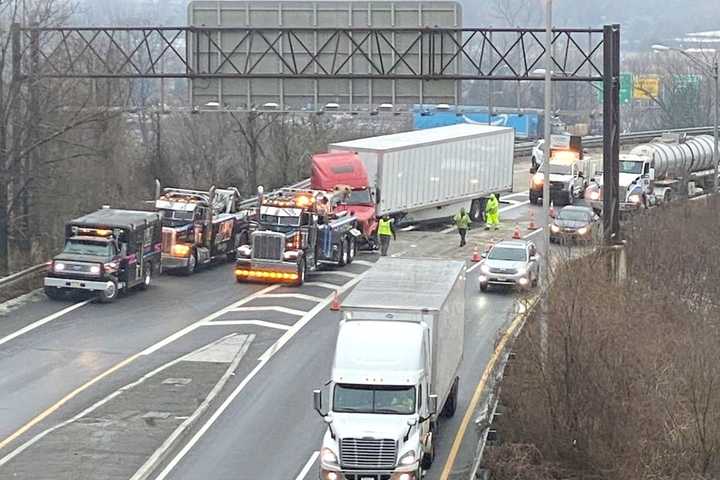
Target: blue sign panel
525, 125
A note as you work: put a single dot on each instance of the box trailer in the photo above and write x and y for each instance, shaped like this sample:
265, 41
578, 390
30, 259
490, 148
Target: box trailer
430, 174
396, 364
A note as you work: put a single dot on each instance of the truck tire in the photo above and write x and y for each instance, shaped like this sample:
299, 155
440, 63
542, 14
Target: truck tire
342, 253
352, 250
190, 268
476, 211
427, 459
667, 197
110, 294
301, 270
54, 293
451, 403
147, 277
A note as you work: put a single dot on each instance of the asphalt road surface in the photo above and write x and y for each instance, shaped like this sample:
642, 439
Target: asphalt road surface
62, 362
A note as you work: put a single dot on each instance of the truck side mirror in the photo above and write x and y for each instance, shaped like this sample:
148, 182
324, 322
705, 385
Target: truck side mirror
432, 404
317, 402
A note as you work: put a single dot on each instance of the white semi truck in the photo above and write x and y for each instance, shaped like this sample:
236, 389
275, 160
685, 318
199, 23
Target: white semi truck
656, 172
395, 370
427, 175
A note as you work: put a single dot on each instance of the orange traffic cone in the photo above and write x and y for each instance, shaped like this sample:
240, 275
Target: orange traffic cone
476, 255
490, 245
532, 225
335, 304
516, 233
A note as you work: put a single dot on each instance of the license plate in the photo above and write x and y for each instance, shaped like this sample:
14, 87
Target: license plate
368, 478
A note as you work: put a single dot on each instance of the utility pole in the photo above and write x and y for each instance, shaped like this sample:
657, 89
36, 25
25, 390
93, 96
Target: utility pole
716, 157
546, 182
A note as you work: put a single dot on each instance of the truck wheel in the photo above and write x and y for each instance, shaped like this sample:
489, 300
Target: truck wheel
483, 287
476, 209
451, 403
109, 294
301, 268
351, 248
342, 253
191, 265
427, 459
54, 293
147, 277
667, 198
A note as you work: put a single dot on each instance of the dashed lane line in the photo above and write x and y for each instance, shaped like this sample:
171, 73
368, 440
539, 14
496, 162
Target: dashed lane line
308, 465
43, 321
271, 308
299, 296
259, 323
329, 286
367, 263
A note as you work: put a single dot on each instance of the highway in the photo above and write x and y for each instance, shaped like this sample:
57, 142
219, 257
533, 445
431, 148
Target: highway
68, 411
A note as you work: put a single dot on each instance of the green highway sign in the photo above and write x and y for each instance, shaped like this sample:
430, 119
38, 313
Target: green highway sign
626, 88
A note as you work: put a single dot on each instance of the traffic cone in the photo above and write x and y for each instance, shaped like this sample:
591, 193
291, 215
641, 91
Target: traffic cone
532, 225
476, 255
335, 304
516, 233
490, 245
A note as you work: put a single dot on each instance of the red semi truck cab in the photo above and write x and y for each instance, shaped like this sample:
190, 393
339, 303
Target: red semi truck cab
344, 172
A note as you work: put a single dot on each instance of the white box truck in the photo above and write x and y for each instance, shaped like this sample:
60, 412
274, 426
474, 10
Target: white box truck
397, 356
430, 174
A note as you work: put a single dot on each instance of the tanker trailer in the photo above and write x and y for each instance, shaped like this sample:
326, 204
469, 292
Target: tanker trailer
658, 171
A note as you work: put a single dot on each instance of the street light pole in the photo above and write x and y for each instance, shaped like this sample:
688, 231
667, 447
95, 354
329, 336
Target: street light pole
716, 157
545, 249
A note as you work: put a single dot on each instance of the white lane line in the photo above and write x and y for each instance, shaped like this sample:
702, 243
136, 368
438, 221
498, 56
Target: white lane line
272, 308
43, 321
342, 274
180, 333
259, 323
363, 262
533, 233
399, 254
329, 286
510, 207
299, 296
516, 194
409, 228
264, 358
311, 461
473, 267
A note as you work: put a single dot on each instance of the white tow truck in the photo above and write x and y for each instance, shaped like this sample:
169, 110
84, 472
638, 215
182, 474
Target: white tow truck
396, 361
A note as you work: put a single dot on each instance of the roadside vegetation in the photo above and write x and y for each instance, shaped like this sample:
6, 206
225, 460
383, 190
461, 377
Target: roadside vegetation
630, 384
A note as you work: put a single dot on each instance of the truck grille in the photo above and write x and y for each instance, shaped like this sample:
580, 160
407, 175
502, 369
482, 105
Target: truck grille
503, 270
368, 453
557, 186
168, 239
78, 268
268, 245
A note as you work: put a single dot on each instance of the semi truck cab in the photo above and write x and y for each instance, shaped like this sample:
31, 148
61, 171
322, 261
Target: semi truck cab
379, 402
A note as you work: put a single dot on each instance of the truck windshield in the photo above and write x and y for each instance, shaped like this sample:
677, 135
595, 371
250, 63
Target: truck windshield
177, 215
629, 166
359, 197
280, 220
374, 399
510, 254
574, 215
89, 247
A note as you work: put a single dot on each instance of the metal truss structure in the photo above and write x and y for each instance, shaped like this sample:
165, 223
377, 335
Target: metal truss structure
416, 54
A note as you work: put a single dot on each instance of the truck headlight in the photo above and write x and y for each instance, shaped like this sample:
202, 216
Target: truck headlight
181, 250
554, 228
59, 266
328, 457
244, 250
634, 198
291, 255
408, 459
582, 230
95, 269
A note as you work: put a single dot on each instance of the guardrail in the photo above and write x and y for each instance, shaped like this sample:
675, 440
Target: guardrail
524, 148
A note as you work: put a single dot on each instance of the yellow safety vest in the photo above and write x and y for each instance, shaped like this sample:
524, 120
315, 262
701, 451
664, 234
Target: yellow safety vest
384, 227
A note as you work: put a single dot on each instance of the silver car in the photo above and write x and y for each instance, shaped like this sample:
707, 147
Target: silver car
512, 263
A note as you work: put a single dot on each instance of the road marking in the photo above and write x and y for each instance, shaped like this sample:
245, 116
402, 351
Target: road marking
457, 442
342, 274
43, 321
264, 358
300, 296
151, 349
259, 323
311, 461
510, 207
289, 311
330, 286
473, 267
516, 194
409, 228
533, 233
364, 262
399, 254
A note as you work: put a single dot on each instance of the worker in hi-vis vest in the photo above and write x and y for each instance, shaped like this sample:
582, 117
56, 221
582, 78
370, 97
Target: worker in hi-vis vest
462, 222
385, 231
492, 212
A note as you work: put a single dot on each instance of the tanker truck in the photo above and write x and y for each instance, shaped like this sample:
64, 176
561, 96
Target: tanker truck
653, 173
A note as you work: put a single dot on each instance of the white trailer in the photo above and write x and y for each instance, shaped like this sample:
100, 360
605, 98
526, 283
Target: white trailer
430, 174
396, 365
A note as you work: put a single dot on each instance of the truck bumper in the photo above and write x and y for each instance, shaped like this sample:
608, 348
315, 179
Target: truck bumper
514, 280
247, 270
404, 473
76, 284
170, 262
